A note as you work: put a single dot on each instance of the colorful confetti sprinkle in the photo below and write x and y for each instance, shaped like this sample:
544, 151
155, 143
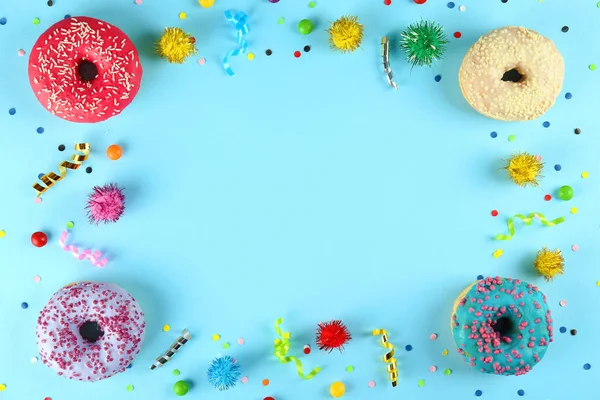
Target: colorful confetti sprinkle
216, 337
166, 328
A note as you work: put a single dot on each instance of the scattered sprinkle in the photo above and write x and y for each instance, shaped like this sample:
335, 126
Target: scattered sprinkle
36, 21
584, 174
21, 52
176, 372
129, 388
250, 56
2, 21
33, 360
547, 197
421, 382
61, 147
511, 138
438, 78
306, 49
563, 329
498, 253
182, 15
573, 332
457, 35
244, 379
306, 349
575, 247
12, 111
202, 61
297, 54
226, 345
241, 341
521, 392
408, 347
592, 67
265, 382
587, 366
312, 4
574, 210
577, 131
568, 96
479, 277
447, 372
2, 233
40, 130
557, 167
433, 336
494, 135
268, 52
598, 283
37, 200
2, 385
216, 337
445, 352
478, 393
166, 328
349, 368
138, 2
565, 29
546, 124
70, 224
462, 8
37, 278
432, 368
371, 384
451, 5
494, 213
281, 20
387, 2
562, 303
24, 305
89, 170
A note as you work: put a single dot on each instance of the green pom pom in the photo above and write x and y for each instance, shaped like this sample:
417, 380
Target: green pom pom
424, 42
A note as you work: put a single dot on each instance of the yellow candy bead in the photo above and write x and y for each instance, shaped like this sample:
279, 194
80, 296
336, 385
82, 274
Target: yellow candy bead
250, 56
166, 328
584, 175
216, 337
206, 3
2, 387
182, 15
337, 389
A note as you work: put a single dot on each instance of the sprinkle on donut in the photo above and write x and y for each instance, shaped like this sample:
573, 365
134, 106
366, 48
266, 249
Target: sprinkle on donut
117, 331
502, 326
84, 70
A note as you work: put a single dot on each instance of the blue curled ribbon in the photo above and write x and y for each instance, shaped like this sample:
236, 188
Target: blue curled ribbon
242, 28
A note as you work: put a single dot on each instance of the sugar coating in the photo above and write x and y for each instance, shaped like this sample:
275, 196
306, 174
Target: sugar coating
532, 55
476, 313
54, 77
63, 349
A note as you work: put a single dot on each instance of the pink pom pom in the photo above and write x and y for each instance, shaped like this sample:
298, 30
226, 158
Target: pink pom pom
105, 204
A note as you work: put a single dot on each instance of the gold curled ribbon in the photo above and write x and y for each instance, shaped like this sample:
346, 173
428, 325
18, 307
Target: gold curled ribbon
282, 346
392, 367
51, 178
527, 220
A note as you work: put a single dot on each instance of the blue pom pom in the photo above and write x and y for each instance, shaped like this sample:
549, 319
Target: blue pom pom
224, 372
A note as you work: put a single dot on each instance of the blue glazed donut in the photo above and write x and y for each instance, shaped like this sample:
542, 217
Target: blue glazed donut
502, 326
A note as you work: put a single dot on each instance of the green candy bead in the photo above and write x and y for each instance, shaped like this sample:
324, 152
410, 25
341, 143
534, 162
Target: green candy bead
181, 388
565, 193
305, 26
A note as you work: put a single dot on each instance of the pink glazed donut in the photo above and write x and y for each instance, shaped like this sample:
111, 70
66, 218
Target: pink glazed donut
90, 331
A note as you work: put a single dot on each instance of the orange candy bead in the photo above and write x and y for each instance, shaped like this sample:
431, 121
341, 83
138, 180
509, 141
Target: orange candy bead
114, 152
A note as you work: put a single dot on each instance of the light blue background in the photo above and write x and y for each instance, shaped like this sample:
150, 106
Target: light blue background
303, 188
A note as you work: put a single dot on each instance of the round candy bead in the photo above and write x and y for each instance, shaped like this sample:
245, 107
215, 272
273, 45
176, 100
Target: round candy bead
565, 193
206, 3
305, 26
114, 152
420, 1
39, 239
337, 389
181, 388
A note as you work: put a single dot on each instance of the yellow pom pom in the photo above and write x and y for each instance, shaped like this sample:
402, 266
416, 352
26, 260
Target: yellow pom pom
175, 45
549, 263
345, 34
524, 169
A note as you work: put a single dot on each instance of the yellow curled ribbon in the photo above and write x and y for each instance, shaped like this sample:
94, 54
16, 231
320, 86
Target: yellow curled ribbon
392, 367
282, 346
51, 178
527, 220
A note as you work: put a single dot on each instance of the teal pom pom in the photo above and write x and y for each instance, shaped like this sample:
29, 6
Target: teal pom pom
424, 42
224, 372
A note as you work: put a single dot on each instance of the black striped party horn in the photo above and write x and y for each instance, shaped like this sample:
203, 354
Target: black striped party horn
181, 340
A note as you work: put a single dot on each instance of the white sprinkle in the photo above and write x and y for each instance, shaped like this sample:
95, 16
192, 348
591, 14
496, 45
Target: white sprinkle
462, 8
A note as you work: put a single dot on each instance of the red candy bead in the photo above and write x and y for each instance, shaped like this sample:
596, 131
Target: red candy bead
297, 54
387, 2
39, 239
420, 1
457, 35
494, 213
547, 197
269, 398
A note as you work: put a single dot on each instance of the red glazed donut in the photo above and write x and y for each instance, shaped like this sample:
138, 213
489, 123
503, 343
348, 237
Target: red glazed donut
84, 70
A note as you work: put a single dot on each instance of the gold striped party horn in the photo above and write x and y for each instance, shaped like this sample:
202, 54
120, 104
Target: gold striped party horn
181, 340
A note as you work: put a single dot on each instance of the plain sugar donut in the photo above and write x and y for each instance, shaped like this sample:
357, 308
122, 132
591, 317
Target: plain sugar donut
84, 70
512, 74
90, 331
502, 326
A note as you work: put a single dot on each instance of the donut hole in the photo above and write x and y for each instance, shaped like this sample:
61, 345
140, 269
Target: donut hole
87, 70
504, 326
513, 75
91, 331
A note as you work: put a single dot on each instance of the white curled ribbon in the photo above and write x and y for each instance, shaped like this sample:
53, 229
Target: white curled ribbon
95, 257
385, 55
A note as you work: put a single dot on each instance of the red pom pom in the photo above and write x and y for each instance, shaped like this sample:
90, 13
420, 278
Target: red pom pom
332, 335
